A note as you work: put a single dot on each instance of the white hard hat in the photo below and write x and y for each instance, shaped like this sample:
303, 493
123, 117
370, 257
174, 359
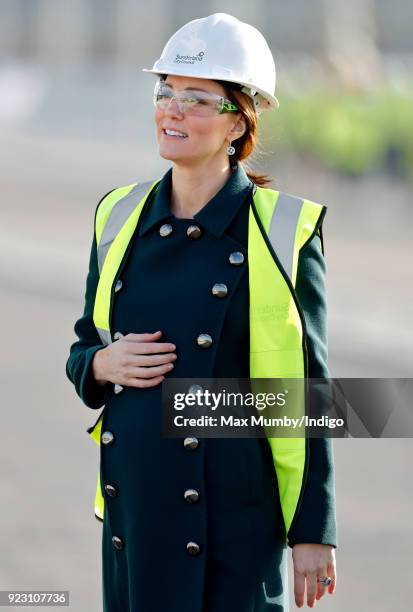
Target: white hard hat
223, 48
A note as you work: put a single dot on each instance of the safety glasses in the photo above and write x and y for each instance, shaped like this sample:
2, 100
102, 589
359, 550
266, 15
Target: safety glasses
192, 102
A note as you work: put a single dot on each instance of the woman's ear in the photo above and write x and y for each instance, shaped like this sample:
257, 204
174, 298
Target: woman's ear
238, 128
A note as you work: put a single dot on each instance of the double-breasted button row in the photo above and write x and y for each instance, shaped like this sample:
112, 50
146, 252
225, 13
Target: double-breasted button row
192, 495
107, 438
117, 388
220, 290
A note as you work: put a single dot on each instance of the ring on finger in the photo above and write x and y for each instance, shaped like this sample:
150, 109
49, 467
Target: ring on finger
326, 581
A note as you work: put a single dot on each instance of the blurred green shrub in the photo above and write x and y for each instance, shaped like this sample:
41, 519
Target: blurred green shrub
354, 134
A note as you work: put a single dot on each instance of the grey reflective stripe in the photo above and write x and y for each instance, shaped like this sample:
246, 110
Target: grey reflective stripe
283, 227
104, 335
118, 216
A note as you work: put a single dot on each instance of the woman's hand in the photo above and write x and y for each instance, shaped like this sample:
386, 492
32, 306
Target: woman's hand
312, 561
132, 361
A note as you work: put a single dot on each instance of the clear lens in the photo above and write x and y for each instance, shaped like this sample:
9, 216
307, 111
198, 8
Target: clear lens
190, 102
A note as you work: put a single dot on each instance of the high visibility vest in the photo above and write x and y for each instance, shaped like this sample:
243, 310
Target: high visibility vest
279, 226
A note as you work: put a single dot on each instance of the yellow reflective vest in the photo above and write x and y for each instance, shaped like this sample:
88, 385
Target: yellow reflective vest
279, 226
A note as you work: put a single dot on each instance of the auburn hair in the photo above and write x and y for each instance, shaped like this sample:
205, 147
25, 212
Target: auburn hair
247, 143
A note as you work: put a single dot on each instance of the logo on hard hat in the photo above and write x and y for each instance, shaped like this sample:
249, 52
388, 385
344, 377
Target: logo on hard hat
189, 59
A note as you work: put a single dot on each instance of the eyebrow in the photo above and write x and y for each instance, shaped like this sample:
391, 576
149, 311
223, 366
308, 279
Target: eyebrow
191, 88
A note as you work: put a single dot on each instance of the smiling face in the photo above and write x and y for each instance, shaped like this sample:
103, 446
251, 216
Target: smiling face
207, 137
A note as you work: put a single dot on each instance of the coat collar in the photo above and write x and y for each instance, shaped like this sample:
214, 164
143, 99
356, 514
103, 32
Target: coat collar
215, 216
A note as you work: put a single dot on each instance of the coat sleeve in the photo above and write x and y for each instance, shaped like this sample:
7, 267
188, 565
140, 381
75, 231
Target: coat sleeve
316, 519
82, 351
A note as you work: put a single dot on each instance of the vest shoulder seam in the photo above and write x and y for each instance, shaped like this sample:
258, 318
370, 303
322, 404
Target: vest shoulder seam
293, 195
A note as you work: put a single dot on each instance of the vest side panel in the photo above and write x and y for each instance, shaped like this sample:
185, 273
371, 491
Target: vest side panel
276, 349
277, 332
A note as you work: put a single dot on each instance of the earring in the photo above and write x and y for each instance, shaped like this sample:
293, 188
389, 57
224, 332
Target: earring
230, 149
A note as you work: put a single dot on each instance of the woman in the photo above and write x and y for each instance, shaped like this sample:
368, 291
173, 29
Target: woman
198, 524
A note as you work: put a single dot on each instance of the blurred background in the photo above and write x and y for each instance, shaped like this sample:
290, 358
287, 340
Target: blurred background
76, 120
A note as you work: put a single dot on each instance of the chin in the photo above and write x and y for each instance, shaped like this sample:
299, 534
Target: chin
171, 156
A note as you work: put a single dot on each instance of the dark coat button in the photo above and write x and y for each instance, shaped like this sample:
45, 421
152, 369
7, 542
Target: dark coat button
111, 490
107, 437
194, 231
219, 290
118, 285
165, 230
193, 548
191, 495
204, 340
191, 443
195, 388
117, 542
117, 335
236, 258
118, 389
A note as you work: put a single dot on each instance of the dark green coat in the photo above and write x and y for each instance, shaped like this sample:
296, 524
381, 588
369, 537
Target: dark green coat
237, 520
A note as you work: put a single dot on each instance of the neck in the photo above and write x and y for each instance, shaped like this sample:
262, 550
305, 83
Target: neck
193, 187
